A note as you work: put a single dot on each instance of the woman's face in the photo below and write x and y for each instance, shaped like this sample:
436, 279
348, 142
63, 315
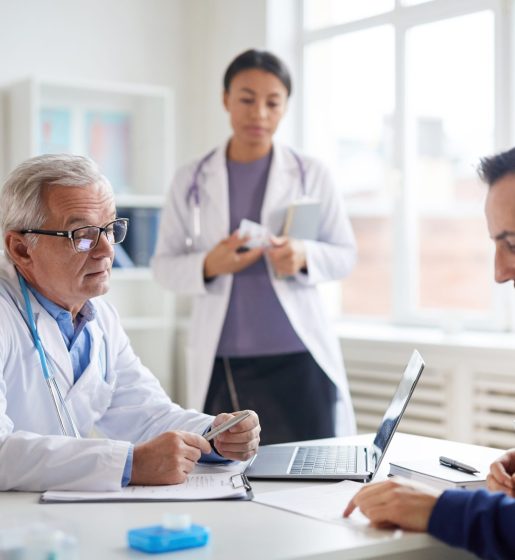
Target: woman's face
256, 102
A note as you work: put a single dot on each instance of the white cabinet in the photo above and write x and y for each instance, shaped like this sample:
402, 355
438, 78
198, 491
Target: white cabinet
127, 130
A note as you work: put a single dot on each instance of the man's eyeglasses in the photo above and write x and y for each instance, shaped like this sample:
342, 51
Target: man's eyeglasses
86, 238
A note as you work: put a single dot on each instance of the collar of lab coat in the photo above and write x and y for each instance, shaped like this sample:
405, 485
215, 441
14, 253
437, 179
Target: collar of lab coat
48, 329
283, 186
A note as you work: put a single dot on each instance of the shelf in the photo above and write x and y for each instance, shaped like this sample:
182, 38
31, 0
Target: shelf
125, 128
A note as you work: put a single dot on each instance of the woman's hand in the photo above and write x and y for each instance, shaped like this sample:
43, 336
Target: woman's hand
224, 258
287, 256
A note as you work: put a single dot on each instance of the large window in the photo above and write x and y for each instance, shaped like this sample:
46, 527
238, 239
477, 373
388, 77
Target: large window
402, 99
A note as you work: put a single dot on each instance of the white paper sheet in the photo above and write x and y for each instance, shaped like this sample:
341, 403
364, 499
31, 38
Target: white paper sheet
325, 501
198, 486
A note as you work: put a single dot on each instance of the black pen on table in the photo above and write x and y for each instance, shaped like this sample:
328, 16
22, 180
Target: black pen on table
453, 464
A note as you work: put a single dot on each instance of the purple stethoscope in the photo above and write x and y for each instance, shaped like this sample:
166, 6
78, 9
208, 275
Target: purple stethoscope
193, 194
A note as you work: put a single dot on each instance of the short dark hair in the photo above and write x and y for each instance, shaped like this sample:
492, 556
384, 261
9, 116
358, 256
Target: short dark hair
262, 60
493, 168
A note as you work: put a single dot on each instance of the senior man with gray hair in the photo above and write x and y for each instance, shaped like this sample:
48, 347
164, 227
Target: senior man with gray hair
67, 369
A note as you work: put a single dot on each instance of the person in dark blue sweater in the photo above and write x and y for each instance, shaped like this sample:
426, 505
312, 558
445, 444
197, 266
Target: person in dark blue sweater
481, 521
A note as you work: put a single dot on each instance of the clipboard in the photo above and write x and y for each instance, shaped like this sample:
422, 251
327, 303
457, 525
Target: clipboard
198, 487
240, 480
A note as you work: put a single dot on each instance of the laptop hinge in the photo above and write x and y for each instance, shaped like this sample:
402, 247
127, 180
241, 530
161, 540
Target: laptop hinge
368, 459
290, 464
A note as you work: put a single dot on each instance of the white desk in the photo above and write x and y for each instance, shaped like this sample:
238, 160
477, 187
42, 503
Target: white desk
246, 530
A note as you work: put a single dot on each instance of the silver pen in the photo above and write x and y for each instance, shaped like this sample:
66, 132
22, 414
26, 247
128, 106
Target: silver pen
226, 425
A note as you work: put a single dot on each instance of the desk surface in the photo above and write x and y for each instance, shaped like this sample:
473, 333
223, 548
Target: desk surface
244, 529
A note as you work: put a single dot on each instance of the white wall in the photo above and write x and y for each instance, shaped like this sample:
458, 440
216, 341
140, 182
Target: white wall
181, 44
219, 30
136, 41
132, 40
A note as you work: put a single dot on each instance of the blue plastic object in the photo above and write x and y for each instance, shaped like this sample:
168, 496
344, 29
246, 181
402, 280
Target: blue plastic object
157, 538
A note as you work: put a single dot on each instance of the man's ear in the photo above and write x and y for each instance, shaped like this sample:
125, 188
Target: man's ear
225, 96
16, 246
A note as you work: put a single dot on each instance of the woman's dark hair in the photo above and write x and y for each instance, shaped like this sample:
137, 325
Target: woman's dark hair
492, 169
262, 60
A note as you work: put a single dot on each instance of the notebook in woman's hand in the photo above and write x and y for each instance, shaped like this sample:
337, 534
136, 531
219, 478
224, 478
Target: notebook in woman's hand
302, 219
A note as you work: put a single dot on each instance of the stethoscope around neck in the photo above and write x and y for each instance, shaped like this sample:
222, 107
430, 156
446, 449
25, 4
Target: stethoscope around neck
193, 196
57, 398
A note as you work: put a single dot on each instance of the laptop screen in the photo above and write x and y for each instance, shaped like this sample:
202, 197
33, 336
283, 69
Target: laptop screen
396, 409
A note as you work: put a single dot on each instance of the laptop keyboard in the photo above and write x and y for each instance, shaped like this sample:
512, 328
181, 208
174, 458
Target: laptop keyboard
325, 460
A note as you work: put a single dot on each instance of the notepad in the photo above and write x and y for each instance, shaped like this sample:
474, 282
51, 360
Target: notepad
432, 473
302, 219
201, 486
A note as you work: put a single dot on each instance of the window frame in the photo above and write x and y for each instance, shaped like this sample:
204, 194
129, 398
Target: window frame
501, 315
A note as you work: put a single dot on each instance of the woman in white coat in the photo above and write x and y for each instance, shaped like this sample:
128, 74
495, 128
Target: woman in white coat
259, 337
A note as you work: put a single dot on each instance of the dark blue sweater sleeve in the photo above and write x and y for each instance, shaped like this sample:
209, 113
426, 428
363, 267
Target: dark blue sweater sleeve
480, 521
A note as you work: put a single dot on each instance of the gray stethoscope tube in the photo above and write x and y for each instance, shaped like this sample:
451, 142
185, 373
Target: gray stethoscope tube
194, 193
53, 388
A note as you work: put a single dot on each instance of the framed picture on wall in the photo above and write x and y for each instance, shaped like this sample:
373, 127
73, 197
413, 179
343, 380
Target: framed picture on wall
107, 141
55, 130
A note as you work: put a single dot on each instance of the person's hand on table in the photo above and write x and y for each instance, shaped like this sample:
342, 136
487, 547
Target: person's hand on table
167, 458
395, 503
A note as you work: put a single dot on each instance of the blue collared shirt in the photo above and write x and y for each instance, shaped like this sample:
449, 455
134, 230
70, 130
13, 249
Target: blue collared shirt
75, 335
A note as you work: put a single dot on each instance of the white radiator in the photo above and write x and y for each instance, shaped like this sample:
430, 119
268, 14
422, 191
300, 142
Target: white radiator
373, 385
466, 392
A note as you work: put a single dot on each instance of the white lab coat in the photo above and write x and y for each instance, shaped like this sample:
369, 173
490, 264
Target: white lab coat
331, 257
116, 396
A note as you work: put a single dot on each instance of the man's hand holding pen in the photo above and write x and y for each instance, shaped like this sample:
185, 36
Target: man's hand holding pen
240, 442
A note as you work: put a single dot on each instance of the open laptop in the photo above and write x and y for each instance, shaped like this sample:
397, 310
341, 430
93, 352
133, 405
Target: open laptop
348, 462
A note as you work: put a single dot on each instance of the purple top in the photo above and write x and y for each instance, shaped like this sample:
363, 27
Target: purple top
255, 324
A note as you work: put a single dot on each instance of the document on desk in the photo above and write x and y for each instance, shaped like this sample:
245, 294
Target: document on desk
324, 501
198, 486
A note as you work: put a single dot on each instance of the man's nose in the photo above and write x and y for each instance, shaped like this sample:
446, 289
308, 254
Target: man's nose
504, 266
103, 248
